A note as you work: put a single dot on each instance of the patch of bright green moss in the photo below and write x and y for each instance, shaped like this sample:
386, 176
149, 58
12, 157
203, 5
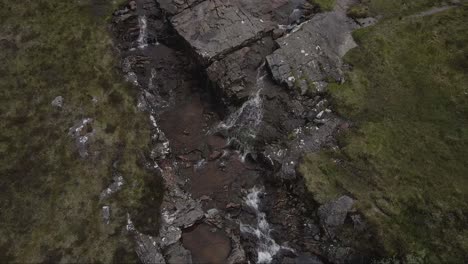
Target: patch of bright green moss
405, 163
49, 196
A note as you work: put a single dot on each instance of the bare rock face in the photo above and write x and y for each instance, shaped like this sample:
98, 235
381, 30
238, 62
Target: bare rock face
214, 28
176, 6
235, 76
313, 51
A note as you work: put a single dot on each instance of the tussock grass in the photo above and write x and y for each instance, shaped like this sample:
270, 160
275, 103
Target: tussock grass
405, 162
49, 196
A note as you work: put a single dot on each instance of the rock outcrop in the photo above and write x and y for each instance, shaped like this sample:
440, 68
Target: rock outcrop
313, 51
221, 27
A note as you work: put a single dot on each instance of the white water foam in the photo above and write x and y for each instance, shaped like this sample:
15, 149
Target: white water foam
243, 124
267, 246
142, 38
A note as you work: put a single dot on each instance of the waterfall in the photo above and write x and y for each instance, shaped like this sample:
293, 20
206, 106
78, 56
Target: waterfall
243, 124
142, 38
267, 246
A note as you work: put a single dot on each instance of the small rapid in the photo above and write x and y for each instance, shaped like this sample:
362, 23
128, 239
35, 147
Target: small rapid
243, 124
143, 36
267, 247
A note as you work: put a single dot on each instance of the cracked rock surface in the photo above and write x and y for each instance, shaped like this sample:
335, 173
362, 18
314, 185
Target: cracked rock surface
214, 28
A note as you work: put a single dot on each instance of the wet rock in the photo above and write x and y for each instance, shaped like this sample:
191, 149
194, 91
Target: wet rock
215, 155
232, 206
177, 254
235, 76
333, 214
313, 51
58, 102
237, 254
221, 28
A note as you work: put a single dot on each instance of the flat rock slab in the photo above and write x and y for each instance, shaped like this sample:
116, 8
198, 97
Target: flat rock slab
214, 28
313, 51
176, 6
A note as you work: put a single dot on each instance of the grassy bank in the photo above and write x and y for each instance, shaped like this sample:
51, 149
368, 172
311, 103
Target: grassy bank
49, 195
405, 161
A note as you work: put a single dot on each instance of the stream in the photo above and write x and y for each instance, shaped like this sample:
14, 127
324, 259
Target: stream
222, 202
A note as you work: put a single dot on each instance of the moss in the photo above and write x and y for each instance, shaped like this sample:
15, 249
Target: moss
358, 11
50, 196
405, 161
324, 5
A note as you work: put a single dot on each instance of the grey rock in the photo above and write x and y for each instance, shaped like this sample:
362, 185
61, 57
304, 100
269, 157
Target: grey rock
237, 254
169, 235
58, 102
221, 28
115, 186
176, 6
177, 254
235, 75
148, 250
333, 214
313, 51
132, 5
82, 132
213, 212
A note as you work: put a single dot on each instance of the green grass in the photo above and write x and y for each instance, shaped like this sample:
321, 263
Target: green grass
49, 196
405, 162
398, 8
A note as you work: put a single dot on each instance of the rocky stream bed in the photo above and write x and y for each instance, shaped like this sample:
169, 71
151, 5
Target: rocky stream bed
236, 92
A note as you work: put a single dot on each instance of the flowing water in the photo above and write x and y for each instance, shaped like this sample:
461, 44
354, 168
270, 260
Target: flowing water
242, 125
142, 38
181, 113
267, 247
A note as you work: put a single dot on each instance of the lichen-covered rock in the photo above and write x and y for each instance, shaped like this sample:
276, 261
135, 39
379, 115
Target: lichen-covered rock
313, 51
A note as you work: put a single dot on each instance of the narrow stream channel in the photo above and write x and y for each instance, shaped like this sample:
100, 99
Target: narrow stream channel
203, 148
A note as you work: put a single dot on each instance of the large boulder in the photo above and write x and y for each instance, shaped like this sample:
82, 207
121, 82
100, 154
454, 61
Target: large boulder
221, 27
313, 51
333, 214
